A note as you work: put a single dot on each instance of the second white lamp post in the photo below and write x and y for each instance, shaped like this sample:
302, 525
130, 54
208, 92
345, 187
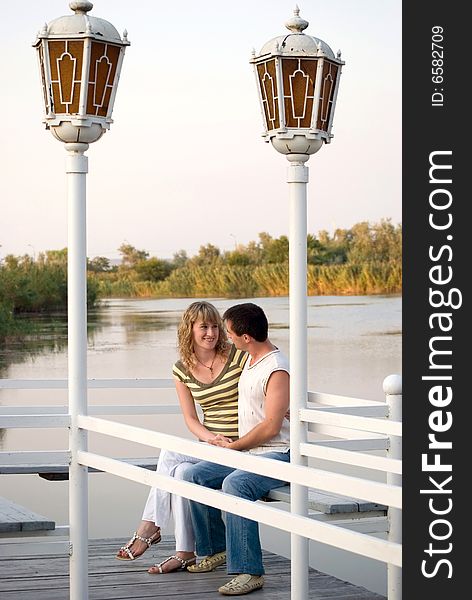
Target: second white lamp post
297, 78
80, 59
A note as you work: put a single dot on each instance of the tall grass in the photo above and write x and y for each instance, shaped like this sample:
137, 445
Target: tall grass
32, 287
265, 280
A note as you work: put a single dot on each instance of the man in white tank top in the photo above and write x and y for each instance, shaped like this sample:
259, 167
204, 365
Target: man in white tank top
264, 430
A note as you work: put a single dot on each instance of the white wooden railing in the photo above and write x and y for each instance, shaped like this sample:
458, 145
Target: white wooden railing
353, 427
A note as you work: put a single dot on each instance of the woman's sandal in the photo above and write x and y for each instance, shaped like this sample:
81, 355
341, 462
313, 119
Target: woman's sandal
155, 538
182, 567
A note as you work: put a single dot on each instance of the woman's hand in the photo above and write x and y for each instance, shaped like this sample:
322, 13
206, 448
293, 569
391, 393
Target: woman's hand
221, 440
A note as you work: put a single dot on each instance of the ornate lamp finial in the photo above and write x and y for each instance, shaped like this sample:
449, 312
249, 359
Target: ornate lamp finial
80, 7
296, 24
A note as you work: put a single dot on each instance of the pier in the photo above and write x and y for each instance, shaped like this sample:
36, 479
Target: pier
47, 578
341, 429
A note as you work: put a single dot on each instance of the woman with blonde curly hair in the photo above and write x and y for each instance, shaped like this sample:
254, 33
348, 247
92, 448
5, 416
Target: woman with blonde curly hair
207, 374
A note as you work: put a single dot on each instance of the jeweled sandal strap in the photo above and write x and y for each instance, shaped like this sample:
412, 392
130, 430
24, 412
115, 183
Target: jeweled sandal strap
128, 552
147, 541
160, 565
130, 543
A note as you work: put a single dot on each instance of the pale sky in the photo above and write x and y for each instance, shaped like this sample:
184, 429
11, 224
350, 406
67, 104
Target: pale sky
184, 163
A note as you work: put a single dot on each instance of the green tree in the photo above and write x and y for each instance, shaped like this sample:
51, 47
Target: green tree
378, 242
55, 257
131, 256
99, 264
153, 269
207, 255
179, 259
273, 250
237, 258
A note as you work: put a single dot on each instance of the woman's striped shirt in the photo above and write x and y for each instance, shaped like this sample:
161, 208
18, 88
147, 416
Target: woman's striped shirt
218, 399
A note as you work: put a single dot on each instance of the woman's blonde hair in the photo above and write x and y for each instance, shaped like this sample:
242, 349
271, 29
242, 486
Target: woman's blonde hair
199, 311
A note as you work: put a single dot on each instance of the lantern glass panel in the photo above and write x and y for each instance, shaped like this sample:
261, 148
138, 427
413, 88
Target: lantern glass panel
65, 60
299, 90
266, 72
103, 64
43, 77
328, 85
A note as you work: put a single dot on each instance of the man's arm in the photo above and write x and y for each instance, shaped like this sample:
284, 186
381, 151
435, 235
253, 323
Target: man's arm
277, 401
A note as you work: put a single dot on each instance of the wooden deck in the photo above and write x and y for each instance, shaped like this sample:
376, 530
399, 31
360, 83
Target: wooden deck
14, 518
37, 578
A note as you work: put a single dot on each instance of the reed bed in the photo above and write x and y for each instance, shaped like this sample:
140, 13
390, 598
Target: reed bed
265, 280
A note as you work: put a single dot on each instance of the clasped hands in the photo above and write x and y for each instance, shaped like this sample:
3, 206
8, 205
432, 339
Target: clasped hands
221, 440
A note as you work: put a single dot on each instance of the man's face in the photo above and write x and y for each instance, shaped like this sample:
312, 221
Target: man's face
238, 340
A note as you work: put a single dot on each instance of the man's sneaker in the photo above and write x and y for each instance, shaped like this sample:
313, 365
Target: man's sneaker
209, 563
242, 584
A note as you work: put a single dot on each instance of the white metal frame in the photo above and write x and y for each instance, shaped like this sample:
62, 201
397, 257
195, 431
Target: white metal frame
325, 410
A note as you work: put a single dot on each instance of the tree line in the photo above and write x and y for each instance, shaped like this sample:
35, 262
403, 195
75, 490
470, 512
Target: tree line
363, 243
365, 259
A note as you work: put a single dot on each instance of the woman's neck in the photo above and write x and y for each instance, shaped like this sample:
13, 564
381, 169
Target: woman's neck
204, 355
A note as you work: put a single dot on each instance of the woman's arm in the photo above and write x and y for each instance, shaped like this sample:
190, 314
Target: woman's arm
276, 403
187, 404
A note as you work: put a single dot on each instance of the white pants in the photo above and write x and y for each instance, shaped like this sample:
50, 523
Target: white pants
160, 504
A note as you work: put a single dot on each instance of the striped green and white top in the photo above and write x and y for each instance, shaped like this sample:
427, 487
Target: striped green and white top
218, 399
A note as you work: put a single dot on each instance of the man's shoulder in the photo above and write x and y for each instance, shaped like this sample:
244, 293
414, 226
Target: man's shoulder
279, 359
274, 360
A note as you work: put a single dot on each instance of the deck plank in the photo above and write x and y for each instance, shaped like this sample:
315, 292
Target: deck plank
327, 503
14, 517
37, 578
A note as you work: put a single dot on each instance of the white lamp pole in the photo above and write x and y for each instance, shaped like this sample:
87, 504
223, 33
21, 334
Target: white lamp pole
76, 169
297, 178
297, 78
80, 59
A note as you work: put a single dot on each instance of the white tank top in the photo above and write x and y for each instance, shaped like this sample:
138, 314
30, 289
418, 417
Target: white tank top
251, 404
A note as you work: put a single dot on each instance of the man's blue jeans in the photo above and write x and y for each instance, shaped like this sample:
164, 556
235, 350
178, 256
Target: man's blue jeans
241, 538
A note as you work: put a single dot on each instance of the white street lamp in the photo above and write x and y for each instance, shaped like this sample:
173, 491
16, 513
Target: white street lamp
297, 78
80, 59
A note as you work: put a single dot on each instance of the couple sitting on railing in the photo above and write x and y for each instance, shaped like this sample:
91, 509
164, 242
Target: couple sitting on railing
243, 390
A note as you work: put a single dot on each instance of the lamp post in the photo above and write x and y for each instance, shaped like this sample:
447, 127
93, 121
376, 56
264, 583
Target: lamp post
297, 78
80, 59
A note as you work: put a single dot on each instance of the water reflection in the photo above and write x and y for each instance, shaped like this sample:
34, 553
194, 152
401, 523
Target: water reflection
353, 344
47, 334
359, 336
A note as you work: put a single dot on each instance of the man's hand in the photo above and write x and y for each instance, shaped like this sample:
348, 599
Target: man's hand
221, 440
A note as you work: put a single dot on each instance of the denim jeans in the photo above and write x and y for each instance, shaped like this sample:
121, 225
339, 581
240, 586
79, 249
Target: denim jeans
240, 536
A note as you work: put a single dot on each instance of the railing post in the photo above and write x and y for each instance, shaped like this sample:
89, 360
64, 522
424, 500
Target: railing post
77, 168
297, 178
392, 387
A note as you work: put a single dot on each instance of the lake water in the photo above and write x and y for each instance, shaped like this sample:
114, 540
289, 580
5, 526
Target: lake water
353, 344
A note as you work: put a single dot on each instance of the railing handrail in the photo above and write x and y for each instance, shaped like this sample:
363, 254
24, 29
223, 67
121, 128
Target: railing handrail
306, 476
327, 533
342, 415
92, 383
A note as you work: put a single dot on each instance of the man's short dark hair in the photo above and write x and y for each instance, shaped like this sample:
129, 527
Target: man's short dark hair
249, 319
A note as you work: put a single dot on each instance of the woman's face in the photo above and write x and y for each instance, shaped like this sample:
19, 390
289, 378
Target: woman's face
205, 334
